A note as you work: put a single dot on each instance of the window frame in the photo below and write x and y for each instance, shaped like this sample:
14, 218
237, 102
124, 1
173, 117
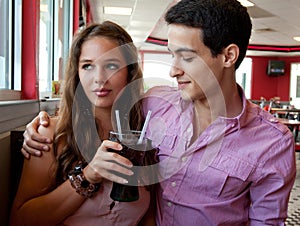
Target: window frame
60, 43
12, 30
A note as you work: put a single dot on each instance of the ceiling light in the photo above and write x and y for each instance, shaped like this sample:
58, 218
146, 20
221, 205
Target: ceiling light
117, 10
246, 3
297, 38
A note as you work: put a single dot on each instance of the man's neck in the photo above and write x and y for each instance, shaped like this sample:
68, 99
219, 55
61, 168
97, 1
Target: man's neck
228, 104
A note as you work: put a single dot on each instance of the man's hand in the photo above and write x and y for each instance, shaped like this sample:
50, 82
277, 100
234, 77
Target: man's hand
35, 143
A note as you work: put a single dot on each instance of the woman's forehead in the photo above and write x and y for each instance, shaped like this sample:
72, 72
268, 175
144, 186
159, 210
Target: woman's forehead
100, 46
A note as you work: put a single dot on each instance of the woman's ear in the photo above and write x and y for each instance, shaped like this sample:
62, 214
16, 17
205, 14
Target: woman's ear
231, 53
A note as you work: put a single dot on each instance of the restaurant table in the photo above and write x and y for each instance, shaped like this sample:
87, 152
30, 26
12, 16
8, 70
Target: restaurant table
291, 123
286, 113
285, 110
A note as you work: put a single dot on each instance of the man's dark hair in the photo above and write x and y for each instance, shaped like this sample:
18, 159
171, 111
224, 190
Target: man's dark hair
222, 22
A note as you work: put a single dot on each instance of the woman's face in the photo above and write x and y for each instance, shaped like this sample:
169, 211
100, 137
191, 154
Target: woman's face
102, 71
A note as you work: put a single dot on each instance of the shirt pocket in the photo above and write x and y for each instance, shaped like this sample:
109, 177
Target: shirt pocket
225, 178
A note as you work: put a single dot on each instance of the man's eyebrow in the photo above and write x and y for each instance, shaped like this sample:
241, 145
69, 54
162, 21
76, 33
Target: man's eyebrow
183, 49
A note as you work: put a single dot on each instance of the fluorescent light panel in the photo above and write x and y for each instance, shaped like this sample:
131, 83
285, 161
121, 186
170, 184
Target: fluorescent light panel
246, 3
117, 11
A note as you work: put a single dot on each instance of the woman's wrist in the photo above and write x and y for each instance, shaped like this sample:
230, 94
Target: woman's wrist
91, 175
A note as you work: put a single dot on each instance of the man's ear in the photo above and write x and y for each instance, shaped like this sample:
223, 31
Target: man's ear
231, 53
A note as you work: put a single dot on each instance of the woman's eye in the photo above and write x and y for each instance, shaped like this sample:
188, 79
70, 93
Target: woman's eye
87, 66
112, 66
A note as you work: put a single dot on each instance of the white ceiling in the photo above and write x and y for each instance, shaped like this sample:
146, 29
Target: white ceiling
275, 22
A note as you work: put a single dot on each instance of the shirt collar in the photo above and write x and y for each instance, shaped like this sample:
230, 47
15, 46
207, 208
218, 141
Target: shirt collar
238, 121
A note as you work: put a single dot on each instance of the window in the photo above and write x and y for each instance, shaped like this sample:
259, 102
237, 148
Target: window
244, 75
4, 50
46, 46
295, 85
55, 34
156, 68
10, 44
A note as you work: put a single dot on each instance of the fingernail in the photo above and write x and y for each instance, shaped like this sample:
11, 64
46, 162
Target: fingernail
37, 153
125, 181
46, 148
48, 140
131, 172
130, 165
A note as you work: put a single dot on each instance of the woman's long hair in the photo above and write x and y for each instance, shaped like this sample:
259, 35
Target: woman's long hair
76, 131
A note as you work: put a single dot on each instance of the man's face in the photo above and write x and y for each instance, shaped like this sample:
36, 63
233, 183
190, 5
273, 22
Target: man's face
196, 70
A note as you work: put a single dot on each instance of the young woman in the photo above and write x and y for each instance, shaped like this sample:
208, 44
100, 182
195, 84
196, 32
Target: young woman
70, 185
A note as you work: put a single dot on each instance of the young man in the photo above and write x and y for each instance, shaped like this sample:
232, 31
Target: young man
223, 160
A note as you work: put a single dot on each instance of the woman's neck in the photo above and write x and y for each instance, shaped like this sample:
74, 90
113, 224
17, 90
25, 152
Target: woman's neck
103, 121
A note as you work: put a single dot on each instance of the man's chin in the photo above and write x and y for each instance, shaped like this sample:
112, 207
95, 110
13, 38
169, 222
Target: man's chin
185, 96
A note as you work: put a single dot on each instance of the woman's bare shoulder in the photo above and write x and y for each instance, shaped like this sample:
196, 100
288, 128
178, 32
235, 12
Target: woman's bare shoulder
38, 173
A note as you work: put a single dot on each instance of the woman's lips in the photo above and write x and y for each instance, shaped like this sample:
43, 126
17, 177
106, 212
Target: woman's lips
102, 92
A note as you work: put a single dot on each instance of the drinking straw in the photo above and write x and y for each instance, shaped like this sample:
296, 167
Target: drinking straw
144, 127
119, 124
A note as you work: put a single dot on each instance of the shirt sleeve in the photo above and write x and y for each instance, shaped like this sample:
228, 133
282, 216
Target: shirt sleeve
270, 193
160, 100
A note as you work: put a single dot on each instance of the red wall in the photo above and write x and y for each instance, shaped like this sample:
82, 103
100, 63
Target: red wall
268, 86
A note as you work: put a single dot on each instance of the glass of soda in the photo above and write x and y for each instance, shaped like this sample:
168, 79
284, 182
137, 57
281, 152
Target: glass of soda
135, 152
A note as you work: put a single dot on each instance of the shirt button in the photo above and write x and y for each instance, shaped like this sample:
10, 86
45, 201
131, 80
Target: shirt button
169, 204
232, 125
173, 184
183, 158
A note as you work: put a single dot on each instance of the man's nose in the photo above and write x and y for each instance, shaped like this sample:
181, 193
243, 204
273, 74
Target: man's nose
175, 71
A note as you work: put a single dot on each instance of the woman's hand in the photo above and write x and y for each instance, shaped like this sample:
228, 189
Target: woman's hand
105, 163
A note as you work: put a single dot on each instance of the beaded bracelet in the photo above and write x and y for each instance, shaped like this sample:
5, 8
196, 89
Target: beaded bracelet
81, 184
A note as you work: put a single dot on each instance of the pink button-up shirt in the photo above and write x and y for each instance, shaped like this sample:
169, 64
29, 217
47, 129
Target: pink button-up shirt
239, 171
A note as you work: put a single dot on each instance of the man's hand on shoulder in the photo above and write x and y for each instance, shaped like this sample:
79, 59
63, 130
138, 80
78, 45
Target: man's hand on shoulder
34, 143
